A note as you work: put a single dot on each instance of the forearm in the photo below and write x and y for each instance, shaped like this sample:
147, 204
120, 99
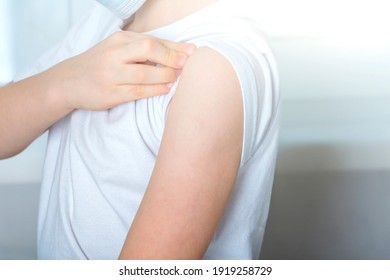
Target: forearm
27, 109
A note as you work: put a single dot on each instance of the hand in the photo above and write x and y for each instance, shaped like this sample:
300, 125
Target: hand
124, 67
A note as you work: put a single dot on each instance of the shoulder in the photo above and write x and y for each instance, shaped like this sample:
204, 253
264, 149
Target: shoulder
235, 60
253, 65
206, 109
209, 87
208, 70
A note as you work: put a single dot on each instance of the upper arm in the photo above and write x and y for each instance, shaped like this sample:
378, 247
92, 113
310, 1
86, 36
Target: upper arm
196, 166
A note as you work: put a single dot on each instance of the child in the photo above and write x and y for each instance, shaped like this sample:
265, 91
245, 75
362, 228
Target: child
186, 175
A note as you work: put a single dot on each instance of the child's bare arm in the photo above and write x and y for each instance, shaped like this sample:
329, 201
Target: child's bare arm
196, 166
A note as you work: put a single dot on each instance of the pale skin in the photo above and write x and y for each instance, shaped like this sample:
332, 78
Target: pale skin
200, 153
117, 70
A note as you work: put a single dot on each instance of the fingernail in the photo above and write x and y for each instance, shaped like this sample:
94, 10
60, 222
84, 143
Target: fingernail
170, 85
182, 60
178, 73
190, 49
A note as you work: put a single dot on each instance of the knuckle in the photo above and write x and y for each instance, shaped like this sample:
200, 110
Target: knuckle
170, 56
148, 45
133, 36
117, 36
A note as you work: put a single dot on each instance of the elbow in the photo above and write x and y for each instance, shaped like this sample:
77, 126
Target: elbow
7, 152
7, 155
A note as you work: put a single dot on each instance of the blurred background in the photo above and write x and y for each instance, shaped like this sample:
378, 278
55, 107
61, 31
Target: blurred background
332, 183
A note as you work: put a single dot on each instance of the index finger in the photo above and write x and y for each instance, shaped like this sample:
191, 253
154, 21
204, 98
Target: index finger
159, 51
186, 48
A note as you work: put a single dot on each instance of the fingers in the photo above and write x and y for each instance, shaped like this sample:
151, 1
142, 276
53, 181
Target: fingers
130, 36
157, 51
186, 48
142, 74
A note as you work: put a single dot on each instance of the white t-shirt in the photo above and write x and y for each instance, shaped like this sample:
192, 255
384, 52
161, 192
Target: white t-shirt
98, 164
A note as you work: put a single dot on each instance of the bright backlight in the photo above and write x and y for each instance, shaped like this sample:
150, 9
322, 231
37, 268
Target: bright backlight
342, 19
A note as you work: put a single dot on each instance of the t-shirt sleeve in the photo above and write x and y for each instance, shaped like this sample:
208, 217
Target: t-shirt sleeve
256, 69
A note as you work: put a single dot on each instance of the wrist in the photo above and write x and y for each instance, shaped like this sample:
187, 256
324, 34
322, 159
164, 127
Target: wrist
54, 96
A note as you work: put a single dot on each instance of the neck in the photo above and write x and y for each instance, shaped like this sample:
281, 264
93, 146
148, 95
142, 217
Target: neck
156, 13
